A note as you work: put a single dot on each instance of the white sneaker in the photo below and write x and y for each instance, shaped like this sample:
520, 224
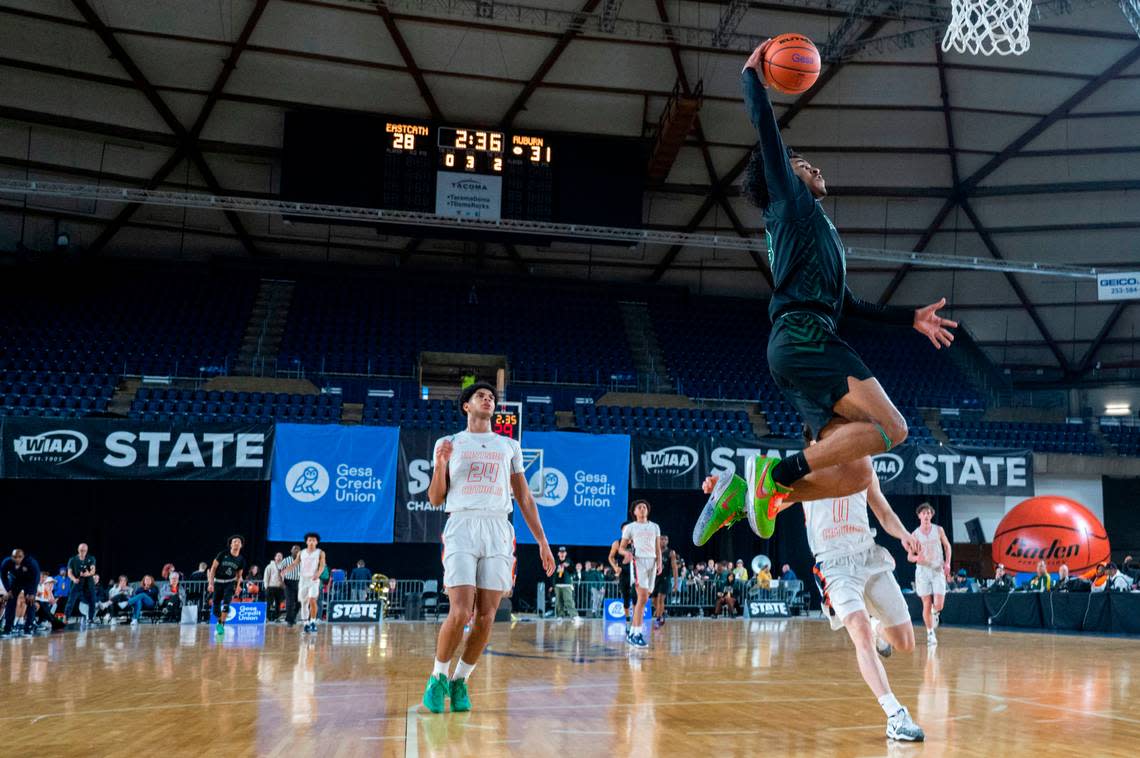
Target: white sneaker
902, 727
934, 615
931, 640
882, 647
134, 622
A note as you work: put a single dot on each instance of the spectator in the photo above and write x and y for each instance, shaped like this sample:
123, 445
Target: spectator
144, 599
764, 578
45, 601
252, 584
173, 597
1117, 581
1062, 577
1002, 582
1099, 577
117, 598
961, 582
1130, 569
80, 570
741, 573
1042, 582
594, 581
274, 588
564, 587
62, 589
200, 575
725, 600
167, 570
291, 574
786, 574
361, 578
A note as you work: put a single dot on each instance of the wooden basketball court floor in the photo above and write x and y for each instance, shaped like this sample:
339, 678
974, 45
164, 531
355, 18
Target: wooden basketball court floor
703, 688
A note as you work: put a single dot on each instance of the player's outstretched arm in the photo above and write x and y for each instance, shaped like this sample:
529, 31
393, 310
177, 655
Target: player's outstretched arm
525, 498
890, 520
782, 181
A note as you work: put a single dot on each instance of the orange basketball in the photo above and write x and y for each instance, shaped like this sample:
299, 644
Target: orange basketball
1053, 529
790, 64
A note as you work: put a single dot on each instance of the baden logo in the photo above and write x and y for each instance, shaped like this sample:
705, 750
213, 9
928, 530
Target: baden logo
56, 447
616, 609
307, 481
887, 467
553, 485
671, 461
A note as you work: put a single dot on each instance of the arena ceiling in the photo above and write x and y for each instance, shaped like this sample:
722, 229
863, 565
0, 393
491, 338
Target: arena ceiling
1029, 158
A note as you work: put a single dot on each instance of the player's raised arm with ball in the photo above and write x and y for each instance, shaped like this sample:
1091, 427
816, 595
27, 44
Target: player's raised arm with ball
843, 406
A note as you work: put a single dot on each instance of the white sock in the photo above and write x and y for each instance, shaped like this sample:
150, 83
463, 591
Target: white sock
639, 629
463, 670
890, 704
441, 667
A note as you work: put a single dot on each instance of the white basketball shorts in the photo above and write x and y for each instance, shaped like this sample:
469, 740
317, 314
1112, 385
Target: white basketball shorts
308, 589
865, 582
643, 573
479, 550
929, 581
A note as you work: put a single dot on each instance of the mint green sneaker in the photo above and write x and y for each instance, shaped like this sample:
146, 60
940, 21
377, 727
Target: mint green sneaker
724, 508
435, 693
763, 496
219, 629
459, 700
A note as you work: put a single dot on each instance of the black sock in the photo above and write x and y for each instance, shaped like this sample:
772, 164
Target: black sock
791, 469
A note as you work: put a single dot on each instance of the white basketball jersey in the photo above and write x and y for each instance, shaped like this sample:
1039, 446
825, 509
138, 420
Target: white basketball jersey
480, 471
838, 526
931, 546
643, 537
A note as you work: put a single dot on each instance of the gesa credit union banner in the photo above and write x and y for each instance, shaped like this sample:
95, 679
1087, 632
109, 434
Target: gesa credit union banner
582, 489
339, 481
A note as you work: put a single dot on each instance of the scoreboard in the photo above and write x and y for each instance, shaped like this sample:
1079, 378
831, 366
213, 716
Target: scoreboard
467, 172
507, 420
462, 171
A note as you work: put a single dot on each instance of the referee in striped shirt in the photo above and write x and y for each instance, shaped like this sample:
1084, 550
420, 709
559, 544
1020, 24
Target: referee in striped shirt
290, 569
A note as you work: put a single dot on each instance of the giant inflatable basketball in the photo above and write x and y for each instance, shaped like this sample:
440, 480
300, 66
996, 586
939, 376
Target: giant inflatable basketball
1053, 529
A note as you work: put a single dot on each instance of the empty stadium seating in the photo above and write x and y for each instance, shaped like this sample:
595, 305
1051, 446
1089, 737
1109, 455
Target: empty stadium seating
187, 325
662, 421
1126, 439
374, 327
442, 415
214, 405
48, 393
1075, 439
717, 348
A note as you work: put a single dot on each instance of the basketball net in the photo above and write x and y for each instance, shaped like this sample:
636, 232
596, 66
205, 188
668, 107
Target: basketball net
988, 27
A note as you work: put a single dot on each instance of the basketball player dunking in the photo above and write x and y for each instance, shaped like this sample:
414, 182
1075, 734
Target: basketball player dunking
476, 472
932, 556
644, 537
819, 373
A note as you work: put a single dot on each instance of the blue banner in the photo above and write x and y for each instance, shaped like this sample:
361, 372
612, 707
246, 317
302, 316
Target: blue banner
582, 490
339, 481
242, 613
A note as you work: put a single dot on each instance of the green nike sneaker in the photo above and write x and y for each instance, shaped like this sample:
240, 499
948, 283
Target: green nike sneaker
459, 699
724, 508
763, 496
219, 629
436, 692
